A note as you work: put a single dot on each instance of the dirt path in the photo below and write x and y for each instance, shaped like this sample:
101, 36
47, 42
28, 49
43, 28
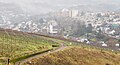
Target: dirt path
62, 47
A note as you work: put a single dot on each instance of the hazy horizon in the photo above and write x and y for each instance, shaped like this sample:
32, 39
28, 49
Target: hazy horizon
52, 5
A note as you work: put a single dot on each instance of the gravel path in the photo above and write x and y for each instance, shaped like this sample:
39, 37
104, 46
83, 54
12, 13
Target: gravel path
62, 47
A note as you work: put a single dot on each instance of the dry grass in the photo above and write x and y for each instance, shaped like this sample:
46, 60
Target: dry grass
78, 56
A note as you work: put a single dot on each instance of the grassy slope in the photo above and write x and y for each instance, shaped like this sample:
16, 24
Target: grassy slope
20, 45
78, 56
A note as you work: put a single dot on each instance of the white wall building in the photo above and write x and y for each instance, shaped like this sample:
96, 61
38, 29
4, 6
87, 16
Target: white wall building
104, 45
73, 13
53, 30
117, 45
53, 27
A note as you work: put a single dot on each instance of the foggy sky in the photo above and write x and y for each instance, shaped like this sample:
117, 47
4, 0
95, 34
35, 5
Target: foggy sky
50, 5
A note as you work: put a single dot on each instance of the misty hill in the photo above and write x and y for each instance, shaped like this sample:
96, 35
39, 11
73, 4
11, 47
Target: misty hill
10, 7
12, 16
96, 7
10, 13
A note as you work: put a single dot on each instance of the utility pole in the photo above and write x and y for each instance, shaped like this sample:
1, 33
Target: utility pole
86, 32
8, 61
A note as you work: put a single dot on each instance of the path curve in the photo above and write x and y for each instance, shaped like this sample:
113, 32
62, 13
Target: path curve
62, 47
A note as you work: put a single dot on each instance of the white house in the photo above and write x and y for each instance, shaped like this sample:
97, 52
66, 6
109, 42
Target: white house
117, 44
83, 40
104, 45
112, 32
53, 27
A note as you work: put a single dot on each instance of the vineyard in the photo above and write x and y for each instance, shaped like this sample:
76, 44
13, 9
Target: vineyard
78, 56
17, 46
14, 44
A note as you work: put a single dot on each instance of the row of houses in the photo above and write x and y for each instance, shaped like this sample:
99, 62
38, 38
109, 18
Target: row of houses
110, 29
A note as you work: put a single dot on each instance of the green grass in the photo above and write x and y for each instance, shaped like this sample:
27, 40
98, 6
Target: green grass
19, 45
20, 58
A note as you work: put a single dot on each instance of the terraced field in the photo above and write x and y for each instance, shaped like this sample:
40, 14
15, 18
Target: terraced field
17, 45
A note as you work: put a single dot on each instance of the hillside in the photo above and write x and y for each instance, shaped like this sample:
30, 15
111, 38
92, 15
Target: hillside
17, 45
96, 7
78, 56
